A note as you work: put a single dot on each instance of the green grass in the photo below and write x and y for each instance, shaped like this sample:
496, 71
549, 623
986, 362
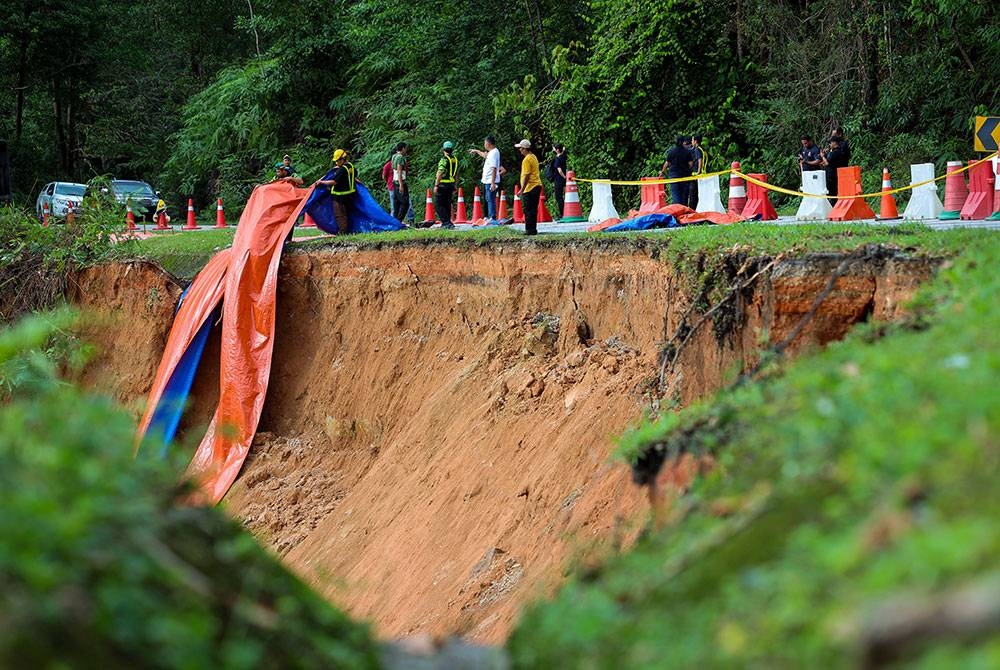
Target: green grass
183, 254
844, 481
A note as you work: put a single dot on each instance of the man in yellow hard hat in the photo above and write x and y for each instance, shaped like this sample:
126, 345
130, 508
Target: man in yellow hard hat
342, 189
444, 184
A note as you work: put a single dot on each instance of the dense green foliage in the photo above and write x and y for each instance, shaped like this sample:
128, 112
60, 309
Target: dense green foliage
101, 568
204, 107
851, 491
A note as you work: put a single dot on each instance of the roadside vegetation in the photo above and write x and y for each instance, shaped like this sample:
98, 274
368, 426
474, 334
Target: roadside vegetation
849, 519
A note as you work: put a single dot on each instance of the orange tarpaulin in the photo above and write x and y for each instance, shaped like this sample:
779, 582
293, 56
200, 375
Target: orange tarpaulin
198, 304
247, 334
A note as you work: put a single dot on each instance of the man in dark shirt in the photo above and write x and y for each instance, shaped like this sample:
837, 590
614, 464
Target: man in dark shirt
809, 155
834, 157
678, 164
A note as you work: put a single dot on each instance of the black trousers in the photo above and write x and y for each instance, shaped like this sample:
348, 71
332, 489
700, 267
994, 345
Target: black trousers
340, 203
401, 202
560, 189
529, 201
442, 202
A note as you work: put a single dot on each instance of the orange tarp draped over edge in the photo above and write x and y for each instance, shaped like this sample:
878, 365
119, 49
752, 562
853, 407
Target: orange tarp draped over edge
247, 334
199, 302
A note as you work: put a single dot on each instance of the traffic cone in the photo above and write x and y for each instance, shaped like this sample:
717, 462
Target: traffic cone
979, 204
191, 225
737, 191
461, 215
161, 221
758, 206
429, 211
995, 216
70, 214
572, 212
847, 208
307, 221
502, 212
220, 215
45, 214
129, 219
543, 210
955, 192
477, 206
518, 207
888, 210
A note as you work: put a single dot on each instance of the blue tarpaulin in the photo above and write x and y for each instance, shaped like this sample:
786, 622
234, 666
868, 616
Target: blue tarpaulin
365, 214
645, 222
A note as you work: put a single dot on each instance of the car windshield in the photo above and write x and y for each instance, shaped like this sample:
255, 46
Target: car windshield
70, 189
133, 188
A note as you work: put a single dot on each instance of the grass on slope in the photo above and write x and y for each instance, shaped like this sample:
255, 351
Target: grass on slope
185, 254
852, 489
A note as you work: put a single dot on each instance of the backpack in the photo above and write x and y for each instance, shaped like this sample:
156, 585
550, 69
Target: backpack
550, 170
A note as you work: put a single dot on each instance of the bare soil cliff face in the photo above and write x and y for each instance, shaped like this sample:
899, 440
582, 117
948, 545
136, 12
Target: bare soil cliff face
434, 450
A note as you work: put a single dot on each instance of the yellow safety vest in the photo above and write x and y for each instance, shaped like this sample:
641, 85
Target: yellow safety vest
703, 165
452, 170
350, 181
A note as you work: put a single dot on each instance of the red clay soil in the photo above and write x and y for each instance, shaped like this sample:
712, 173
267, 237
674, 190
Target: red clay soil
434, 450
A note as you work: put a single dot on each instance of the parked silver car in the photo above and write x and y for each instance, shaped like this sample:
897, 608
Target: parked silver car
59, 194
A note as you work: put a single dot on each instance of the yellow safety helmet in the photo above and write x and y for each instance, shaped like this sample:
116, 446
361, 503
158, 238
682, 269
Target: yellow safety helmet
338, 154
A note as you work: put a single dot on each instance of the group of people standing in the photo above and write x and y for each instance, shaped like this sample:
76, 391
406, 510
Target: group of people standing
395, 173
837, 154
686, 158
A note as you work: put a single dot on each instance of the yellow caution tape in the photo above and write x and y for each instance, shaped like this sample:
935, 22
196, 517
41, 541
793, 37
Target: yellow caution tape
787, 191
653, 182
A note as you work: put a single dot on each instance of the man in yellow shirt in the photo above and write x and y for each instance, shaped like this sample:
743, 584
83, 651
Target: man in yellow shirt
531, 187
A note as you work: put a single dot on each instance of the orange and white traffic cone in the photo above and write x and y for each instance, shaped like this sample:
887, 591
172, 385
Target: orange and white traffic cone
129, 219
737, 191
461, 215
307, 221
70, 214
191, 225
428, 211
888, 209
45, 214
502, 213
518, 207
543, 210
477, 207
161, 220
955, 192
572, 211
220, 215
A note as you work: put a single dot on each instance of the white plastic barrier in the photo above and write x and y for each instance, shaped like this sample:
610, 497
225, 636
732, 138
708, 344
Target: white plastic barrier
710, 195
924, 201
814, 209
604, 206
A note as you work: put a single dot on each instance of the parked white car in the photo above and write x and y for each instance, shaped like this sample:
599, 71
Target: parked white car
59, 194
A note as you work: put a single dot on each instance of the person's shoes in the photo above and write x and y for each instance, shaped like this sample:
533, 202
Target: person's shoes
425, 224
448, 226
530, 232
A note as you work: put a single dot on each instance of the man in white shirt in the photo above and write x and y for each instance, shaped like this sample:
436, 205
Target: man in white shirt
491, 175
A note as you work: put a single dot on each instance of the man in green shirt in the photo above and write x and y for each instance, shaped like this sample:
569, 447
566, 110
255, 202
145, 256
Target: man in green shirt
444, 184
400, 165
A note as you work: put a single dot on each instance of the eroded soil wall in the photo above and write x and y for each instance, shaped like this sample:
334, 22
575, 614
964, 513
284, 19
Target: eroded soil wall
434, 450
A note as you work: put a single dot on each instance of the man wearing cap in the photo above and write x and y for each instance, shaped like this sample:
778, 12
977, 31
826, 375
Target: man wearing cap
531, 187
342, 189
287, 173
286, 162
444, 184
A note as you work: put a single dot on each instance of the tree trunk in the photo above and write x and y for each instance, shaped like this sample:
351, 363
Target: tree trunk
57, 113
22, 82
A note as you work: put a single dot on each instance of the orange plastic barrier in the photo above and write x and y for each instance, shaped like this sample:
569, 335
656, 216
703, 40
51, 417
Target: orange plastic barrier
850, 209
758, 203
654, 197
247, 334
979, 203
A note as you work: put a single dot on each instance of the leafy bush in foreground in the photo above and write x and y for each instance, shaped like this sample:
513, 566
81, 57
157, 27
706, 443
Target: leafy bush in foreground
850, 516
101, 568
